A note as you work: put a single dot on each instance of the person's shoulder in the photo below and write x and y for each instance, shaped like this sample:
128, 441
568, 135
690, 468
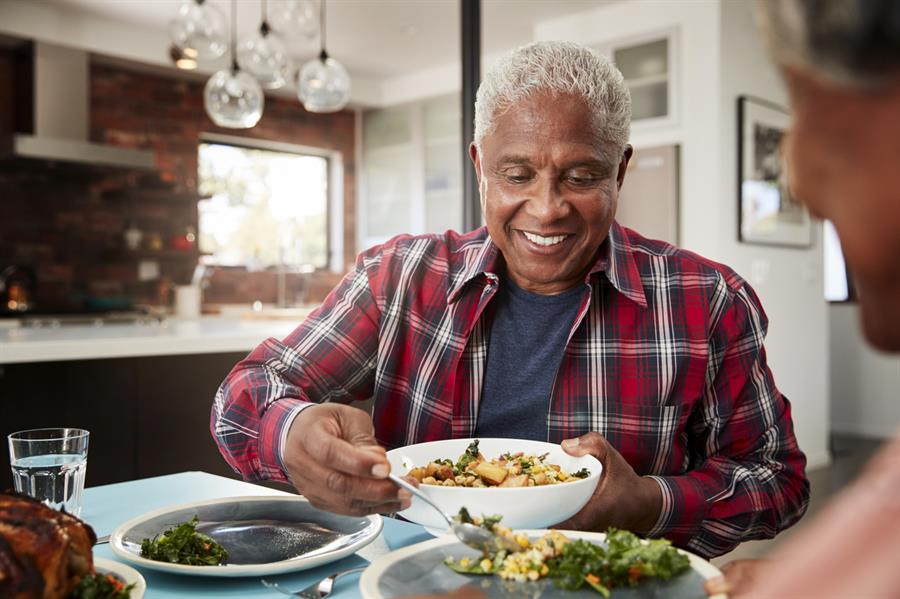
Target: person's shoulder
690, 267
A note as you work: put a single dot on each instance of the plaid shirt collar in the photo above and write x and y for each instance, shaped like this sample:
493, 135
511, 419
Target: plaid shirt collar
614, 259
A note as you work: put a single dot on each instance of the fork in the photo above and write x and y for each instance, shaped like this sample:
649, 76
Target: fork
317, 590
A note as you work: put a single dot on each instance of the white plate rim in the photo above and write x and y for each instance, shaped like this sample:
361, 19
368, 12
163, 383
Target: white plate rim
295, 565
125, 572
368, 582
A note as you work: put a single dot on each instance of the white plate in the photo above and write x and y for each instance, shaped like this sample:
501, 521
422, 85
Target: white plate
419, 569
123, 572
303, 536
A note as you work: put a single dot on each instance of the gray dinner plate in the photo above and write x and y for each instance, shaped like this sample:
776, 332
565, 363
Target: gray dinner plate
263, 535
419, 569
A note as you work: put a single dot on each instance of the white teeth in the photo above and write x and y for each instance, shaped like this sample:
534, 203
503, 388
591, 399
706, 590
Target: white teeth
541, 240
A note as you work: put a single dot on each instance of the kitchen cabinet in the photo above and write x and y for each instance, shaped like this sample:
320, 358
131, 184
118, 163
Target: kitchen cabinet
646, 63
147, 416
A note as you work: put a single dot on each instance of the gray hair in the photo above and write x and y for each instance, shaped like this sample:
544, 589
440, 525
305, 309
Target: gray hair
854, 42
558, 68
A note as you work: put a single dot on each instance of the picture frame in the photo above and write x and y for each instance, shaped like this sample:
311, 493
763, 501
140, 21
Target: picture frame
767, 213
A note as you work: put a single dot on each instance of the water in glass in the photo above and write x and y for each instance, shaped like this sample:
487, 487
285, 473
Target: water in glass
49, 464
57, 480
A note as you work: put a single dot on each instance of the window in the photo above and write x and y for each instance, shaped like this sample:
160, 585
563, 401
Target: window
265, 207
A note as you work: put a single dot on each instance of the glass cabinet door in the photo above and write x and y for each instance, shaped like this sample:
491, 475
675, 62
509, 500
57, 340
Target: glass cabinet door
645, 67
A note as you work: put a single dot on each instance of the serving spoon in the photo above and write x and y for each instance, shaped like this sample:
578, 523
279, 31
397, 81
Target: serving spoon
476, 537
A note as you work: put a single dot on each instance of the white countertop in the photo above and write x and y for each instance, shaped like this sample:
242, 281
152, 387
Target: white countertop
206, 335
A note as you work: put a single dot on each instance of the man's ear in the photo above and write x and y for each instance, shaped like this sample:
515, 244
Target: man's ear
473, 156
623, 165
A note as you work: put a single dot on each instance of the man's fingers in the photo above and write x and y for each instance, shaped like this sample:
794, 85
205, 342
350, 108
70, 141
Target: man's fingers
737, 577
590, 443
345, 488
357, 429
337, 454
716, 586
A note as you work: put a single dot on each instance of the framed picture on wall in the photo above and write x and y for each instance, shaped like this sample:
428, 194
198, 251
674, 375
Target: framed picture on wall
767, 214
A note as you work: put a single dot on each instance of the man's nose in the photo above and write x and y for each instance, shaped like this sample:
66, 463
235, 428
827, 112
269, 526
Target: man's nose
547, 202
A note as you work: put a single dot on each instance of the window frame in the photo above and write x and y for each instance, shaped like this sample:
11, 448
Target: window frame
334, 219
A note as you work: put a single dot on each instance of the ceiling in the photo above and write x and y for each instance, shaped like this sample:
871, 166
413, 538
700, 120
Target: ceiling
377, 38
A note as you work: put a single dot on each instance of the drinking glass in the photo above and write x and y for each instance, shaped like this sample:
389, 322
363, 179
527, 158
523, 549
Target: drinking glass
49, 464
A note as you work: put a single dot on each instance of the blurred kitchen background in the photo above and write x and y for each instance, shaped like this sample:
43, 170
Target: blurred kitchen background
145, 249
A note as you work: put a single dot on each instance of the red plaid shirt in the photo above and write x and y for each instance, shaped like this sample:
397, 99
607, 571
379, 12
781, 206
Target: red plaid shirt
665, 359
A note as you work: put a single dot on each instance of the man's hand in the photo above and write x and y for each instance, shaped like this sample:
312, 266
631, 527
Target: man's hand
738, 578
333, 459
622, 498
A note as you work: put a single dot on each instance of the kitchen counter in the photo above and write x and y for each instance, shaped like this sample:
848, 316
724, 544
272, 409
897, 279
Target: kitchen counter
209, 334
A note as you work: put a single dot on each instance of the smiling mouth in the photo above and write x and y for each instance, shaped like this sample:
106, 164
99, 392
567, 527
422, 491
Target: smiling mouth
544, 241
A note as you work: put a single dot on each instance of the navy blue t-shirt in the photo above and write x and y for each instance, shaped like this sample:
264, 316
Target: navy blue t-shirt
528, 336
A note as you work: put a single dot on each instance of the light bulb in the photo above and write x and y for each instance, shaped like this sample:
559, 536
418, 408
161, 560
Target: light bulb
265, 57
233, 99
200, 30
181, 58
295, 17
323, 85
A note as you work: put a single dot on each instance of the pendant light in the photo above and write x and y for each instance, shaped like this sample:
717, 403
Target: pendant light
264, 56
181, 59
199, 30
323, 84
296, 18
232, 98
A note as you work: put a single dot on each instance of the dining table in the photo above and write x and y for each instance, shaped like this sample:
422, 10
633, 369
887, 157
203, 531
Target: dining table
108, 506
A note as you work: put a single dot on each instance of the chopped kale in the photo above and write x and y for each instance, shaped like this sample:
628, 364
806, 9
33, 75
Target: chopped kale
583, 473
625, 561
182, 544
470, 455
101, 586
487, 522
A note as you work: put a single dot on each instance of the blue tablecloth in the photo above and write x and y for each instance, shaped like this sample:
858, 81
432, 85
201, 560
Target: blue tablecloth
106, 507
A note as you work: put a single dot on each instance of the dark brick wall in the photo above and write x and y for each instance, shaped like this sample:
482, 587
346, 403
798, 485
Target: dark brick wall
67, 223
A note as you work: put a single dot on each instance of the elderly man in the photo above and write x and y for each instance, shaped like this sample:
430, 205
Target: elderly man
841, 62
552, 323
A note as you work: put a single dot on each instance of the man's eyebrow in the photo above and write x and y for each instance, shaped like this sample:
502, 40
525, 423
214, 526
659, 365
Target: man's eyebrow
513, 159
593, 163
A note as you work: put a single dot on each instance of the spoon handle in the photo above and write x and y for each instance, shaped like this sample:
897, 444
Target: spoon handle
405, 485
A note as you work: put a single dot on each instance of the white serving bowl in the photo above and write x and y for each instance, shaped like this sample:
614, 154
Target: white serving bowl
526, 507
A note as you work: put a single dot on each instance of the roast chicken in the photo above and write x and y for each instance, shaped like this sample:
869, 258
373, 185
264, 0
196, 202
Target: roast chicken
44, 553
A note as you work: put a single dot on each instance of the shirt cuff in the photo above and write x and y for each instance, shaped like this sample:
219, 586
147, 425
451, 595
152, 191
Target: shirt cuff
273, 431
684, 507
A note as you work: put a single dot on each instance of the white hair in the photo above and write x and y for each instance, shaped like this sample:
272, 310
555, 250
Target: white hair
558, 68
855, 42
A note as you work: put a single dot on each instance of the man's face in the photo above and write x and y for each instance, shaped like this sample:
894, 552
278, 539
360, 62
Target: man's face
844, 163
548, 192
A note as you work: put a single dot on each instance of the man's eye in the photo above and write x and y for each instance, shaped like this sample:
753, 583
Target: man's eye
516, 177
582, 179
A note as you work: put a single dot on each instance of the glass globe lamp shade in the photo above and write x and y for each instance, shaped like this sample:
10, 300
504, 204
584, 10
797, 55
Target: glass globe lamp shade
199, 30
323, 85
233, 99
295, 18
265, 58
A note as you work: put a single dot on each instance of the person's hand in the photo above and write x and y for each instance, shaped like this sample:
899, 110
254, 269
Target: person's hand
738, 578
622, 499
333, 459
